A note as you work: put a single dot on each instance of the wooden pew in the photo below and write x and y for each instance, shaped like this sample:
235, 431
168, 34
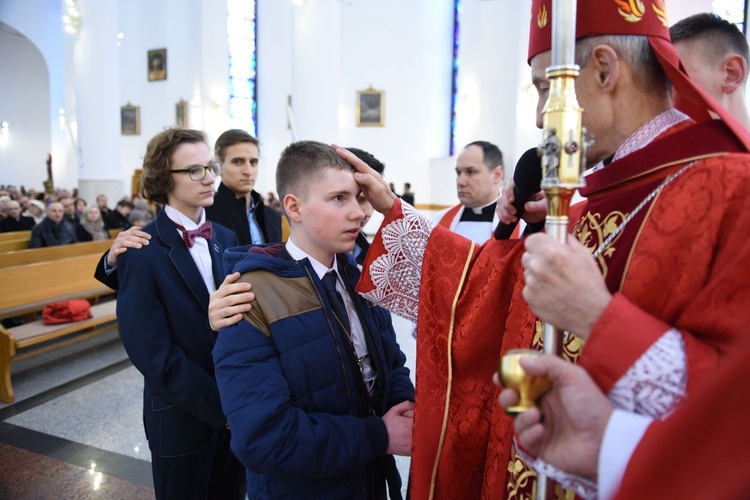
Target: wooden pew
28, 288
12, 245
21, 240
15, 235
34, 255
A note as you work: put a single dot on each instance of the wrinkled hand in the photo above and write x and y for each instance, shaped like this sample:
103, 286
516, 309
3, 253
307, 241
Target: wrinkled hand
227, 304
373, 186
398, 422
575, 416
131, 238
564, 286
535, 210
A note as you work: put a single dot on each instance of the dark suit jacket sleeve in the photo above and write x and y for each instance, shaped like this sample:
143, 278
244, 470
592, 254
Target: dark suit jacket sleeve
147, 337
82, 234
36, 238
100, 274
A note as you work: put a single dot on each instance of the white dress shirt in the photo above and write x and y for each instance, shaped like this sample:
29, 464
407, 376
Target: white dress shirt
199, 251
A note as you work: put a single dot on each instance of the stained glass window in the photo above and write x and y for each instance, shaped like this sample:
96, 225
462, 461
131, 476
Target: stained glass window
454, 93
243, 60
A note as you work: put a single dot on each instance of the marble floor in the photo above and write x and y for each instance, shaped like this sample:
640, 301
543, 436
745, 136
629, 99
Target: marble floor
75, 429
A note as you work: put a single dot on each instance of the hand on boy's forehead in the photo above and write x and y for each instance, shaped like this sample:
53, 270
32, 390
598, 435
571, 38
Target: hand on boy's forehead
358, 164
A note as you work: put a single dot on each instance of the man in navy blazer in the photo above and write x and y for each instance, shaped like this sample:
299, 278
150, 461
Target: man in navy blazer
162, 309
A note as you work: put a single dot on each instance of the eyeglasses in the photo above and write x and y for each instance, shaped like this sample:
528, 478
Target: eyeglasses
198, 172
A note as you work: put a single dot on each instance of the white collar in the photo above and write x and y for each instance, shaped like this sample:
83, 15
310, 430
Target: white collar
478, 210
650, 131
298, 254
182, 219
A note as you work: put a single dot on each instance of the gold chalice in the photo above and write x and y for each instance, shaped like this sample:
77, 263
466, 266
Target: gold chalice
512, 376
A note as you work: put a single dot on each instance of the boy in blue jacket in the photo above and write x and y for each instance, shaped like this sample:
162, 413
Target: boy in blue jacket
312, 379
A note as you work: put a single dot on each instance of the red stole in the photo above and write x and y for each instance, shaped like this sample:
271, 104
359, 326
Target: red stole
447, 220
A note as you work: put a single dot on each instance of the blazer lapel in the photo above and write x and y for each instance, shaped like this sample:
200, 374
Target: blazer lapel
216, 261
182, 260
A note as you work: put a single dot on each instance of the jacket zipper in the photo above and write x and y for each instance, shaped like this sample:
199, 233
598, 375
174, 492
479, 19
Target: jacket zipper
335, 340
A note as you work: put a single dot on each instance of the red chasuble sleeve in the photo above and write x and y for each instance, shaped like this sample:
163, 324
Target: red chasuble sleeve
703, 450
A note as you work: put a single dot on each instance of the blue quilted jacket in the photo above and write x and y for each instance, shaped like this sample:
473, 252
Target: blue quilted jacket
287, 387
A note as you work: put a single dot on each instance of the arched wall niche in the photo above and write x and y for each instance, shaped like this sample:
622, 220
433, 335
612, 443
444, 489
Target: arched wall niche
25, 106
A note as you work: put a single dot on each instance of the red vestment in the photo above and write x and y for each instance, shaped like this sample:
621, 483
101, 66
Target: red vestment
707, 437
680, 262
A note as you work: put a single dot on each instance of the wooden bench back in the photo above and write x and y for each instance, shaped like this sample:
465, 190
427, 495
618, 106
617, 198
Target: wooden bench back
30, 287
19, 240
11, 245
34, 255
16, 235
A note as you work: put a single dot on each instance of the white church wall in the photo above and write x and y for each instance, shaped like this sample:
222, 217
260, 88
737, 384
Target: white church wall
319, 54
322, 53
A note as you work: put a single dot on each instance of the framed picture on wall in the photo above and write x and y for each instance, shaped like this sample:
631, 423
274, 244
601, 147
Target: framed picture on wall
370, 108
130, 120
181, 114
157, 65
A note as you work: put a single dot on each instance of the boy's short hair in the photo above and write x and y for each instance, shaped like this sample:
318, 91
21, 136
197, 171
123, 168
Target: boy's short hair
230, 138
368, 158
301, 163
719, 35
156, 181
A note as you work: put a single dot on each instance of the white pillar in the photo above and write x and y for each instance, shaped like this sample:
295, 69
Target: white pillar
317, 70
97, 101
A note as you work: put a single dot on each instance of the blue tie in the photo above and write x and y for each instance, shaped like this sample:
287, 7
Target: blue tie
337, 302
256, 235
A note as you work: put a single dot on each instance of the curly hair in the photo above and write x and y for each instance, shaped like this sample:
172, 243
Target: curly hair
156, 181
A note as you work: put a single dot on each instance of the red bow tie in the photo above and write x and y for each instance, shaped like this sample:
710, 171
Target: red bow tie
189, 235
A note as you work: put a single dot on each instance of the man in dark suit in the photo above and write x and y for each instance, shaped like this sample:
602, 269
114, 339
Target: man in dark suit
70, 216
118, 218
162, 310
53, 230
236, 204
15, 221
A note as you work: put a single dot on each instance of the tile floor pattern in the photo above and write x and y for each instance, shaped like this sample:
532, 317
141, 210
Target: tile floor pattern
75, 429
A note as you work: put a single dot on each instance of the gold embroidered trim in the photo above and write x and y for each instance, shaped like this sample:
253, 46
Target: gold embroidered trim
450, 371
673, 163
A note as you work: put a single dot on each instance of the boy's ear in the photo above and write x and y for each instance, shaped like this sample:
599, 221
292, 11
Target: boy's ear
292, 207
735, 73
